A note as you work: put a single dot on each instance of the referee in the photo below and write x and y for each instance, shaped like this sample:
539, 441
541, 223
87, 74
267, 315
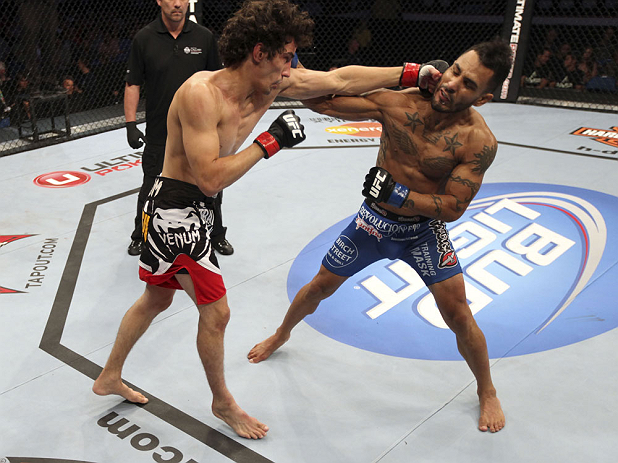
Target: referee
164, 54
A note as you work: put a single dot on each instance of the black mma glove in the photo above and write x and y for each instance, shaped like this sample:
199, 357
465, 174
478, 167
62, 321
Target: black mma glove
380, 187
135, 137
285, 132
419, 75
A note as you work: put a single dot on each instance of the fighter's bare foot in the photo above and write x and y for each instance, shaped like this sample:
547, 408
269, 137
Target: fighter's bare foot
106, 386
244, 425
264, 349
492, 416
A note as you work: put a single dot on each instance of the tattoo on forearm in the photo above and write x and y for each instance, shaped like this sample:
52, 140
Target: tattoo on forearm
484, 158
452, 144
437, 201
474, 188
413, 121
408, 203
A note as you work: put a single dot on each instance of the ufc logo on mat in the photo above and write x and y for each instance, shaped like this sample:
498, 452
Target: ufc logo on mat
377, 185
290, 119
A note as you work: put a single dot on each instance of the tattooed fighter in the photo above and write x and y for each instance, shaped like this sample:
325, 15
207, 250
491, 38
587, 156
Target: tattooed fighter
432, 158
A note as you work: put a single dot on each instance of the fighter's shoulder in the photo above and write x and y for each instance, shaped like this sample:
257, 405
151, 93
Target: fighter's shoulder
200, 84
480, 133
199, 93
480, 141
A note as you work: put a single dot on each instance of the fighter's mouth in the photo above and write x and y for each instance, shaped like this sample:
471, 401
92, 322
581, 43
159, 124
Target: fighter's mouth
443, 97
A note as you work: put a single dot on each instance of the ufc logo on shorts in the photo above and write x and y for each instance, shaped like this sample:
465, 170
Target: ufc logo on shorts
293, 125
377, 185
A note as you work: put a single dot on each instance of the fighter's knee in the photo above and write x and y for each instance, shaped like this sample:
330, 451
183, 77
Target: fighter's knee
159, 303
319, 289
215, 317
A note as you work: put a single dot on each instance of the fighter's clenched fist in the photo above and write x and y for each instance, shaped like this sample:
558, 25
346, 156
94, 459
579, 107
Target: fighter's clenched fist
286, 131
380, 187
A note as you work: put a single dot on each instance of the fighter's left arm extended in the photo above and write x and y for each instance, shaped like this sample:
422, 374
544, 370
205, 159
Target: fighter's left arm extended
449, 205
353, 80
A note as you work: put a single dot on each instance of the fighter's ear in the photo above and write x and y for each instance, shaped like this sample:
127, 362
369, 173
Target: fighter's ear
258, 52
484, 99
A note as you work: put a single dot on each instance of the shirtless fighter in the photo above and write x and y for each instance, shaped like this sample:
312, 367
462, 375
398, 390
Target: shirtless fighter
432, 158
210, 117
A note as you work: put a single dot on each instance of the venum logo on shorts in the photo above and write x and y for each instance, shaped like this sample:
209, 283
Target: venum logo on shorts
539, 271
448, 258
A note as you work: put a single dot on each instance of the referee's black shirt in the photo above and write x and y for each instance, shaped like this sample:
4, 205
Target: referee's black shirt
164, 63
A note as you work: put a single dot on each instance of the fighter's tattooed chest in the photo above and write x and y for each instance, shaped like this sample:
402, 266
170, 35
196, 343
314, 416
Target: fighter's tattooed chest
434, 152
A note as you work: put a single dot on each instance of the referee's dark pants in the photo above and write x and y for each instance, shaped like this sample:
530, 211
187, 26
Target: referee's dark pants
152, 165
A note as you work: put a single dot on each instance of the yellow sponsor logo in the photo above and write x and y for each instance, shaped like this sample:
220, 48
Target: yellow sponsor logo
358, 129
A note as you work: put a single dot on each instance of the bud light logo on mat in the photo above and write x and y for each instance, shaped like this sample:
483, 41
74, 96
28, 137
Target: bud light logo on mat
540, 272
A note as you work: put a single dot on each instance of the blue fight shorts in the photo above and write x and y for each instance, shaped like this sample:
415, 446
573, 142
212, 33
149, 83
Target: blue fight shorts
376, 234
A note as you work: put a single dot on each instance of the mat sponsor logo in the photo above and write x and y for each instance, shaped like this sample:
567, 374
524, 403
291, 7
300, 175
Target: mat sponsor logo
607, 137
142, 441
41, 265
117, 164
4, 240
539, 271
357, 129
64, 179
67, 179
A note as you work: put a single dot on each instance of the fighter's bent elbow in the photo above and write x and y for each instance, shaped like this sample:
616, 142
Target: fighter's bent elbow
451, 215
209, 187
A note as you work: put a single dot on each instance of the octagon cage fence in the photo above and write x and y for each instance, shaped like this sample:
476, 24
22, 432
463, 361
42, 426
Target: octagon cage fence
62, 62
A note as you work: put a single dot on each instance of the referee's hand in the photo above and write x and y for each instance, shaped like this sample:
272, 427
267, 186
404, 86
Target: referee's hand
135, 137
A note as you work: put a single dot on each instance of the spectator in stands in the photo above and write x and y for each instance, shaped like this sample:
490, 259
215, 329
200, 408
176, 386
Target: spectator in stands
74, 93
358, 42
539, 74
556, 62
5, 81
23, 89
588, 64
6, 95
571, 77
84, 53
550, 42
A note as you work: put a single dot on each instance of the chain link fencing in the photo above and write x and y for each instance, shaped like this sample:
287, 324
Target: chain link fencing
62, 62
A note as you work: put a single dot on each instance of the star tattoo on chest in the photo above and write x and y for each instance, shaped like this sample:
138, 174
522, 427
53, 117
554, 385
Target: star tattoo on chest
451, 144
413, 121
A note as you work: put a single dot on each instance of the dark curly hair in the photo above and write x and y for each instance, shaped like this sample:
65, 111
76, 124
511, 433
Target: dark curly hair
270, 22
497, 56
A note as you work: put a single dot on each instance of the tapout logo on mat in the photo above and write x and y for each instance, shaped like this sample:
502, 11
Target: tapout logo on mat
539, 272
